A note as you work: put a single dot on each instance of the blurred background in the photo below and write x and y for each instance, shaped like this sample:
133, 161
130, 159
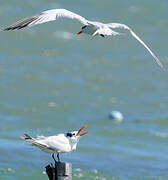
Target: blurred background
52, 81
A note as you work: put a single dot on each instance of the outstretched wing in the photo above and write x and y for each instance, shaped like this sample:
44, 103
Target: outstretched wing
46, 16
123, 26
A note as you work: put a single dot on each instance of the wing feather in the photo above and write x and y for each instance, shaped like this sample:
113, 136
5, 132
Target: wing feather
59, 143
46, 16
123, 26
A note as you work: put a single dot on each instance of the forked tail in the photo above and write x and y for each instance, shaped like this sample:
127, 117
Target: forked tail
35, 142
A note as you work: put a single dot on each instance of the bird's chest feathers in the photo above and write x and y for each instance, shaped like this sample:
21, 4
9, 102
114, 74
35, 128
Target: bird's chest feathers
73, 147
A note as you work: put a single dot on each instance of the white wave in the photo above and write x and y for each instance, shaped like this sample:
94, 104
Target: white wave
64, 35
161, 134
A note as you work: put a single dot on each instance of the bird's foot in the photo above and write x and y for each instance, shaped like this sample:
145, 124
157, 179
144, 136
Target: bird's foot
58, 157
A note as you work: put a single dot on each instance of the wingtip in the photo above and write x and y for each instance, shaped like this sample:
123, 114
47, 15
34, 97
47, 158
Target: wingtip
159, 62
162, 67
6, 29
25, 137
3, 29
10, 28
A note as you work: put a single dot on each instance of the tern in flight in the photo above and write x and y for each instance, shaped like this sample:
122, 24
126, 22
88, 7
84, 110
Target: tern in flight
61, 143
90, 27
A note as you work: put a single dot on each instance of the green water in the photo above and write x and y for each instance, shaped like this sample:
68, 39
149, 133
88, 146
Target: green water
52, 81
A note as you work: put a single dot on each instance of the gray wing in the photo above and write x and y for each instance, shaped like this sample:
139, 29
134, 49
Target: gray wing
46, 16
35, 142
123, 26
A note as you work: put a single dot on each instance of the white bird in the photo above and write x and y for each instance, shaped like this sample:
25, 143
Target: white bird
61, 143
90, 27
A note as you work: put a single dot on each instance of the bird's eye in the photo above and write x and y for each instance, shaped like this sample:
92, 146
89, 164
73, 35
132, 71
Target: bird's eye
73, 134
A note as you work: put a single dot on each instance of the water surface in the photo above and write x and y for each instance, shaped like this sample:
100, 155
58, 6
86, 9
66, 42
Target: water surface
52, 81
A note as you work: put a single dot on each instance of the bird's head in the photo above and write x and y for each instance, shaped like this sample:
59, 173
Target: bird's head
74, 136
87, 29
82, 30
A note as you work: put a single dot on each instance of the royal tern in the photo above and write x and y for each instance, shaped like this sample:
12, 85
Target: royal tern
61, 143
90, 27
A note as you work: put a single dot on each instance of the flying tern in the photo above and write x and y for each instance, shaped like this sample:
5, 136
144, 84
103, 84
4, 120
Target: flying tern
61, 143
90, 27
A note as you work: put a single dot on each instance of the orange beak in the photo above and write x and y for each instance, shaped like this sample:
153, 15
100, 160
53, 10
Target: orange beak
80, 130
79, 33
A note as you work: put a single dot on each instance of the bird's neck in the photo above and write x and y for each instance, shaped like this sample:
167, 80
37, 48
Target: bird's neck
73, 146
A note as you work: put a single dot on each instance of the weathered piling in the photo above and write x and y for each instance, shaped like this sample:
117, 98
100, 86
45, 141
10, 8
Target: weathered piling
61, 171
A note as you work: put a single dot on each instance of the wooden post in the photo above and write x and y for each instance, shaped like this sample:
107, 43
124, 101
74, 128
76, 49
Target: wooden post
61, 171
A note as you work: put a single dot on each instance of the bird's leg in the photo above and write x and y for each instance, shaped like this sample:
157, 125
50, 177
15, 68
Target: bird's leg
58, 157
54, 158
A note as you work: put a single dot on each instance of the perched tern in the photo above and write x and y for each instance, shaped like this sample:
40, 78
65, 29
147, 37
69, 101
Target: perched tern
61, 143
90, 27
